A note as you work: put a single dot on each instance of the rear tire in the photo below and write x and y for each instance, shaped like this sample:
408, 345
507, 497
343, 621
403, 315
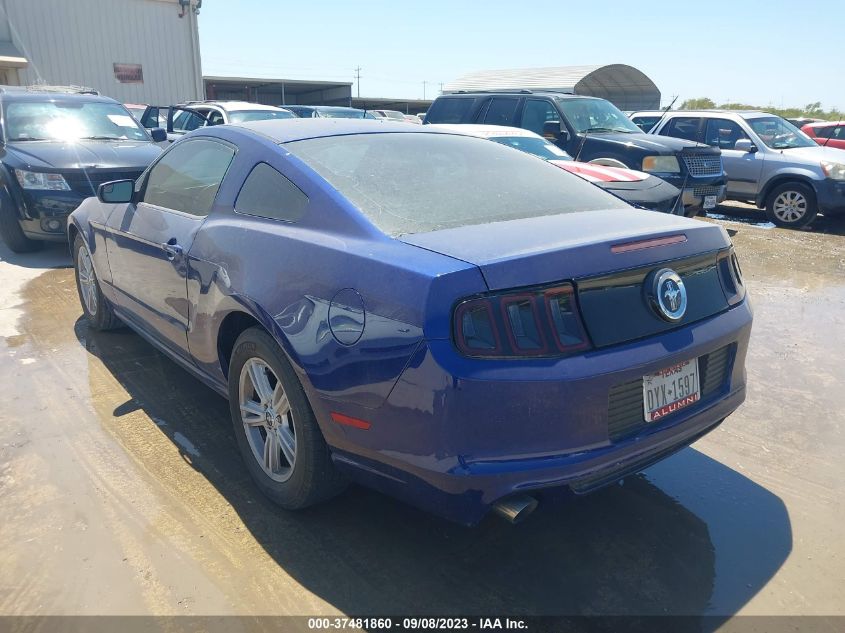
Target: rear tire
97, 309
277, 432
792, 205
12, 233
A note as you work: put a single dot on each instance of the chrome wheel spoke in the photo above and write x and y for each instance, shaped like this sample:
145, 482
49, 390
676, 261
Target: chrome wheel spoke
287, 443
252, 413
272, 452
279, 401
260, 382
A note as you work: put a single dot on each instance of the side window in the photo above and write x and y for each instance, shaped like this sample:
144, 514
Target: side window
682, 127
268, 194
215, 118
536, 114
823, 132
723, 133
500, 111
188, 176
839, 133
449, 110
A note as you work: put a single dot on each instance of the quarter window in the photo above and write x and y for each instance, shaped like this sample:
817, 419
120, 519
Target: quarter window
188, 176
449, 110
723, 133
268, 194
682, 127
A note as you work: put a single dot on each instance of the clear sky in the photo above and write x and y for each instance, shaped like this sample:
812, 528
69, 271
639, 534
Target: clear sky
768, 52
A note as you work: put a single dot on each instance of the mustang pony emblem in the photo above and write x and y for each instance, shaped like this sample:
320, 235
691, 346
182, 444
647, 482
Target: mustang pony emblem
673, 294
667, 295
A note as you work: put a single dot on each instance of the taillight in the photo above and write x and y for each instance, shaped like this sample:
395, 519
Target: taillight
731, 275
537, 322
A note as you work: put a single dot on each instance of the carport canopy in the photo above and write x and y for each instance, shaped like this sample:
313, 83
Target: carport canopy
625, 86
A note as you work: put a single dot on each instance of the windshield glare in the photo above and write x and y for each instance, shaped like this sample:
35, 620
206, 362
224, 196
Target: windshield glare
242, 116
70, 121
536, 146
419, 182
777, 133
595, 115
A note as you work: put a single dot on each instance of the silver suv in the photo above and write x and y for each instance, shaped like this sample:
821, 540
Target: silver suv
769, 162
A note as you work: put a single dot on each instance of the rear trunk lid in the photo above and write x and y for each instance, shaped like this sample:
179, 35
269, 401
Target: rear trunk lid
546, 249
611, 256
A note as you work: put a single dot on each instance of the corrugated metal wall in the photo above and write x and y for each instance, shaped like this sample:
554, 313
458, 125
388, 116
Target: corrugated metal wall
78, 41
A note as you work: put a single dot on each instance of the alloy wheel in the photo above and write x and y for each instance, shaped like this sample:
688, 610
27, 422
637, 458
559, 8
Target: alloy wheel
790, 206
87, 280
267, 418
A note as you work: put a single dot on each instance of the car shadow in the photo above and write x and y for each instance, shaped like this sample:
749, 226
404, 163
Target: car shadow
51, 255
688, 537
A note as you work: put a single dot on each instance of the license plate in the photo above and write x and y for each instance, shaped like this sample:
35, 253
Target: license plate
709, 202
670, 390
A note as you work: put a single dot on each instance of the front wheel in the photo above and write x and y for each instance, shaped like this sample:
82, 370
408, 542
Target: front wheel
792, 204
97, 309
277, 433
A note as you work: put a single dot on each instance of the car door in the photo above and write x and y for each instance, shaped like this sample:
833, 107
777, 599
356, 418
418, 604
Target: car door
743, 168
150, 239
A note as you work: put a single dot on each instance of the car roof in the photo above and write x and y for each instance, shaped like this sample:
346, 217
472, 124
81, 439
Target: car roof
485, 131
287, 130
651, 112
745, 114
232, 106
518, 93
823, 123
65, 97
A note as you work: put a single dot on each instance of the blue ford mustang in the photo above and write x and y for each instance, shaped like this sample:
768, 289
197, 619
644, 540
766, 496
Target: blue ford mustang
445, 319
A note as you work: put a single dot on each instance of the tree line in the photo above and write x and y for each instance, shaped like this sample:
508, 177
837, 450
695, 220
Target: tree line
813, 110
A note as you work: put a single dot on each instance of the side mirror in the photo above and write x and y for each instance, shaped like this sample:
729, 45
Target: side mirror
555, 131
116, 192
745, 145
158, 134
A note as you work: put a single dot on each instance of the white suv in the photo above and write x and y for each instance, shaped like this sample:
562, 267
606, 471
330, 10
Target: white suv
769, 162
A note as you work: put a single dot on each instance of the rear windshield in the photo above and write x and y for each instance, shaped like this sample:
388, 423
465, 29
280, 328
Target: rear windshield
417, 182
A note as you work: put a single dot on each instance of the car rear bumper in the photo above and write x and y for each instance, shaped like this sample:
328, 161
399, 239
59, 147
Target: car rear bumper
456, 435
694, 196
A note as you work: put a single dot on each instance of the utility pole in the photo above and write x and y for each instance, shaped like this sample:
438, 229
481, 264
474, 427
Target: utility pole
424, 83
358, 80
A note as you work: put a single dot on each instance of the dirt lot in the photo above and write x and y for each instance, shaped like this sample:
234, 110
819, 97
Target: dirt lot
121, 491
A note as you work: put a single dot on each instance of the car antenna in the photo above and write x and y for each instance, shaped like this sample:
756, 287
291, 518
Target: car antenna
663, 114
581, 144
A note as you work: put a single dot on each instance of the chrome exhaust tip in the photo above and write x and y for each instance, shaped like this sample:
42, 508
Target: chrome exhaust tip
515, 508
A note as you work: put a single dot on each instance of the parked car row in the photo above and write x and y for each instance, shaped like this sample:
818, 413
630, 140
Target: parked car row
593, 130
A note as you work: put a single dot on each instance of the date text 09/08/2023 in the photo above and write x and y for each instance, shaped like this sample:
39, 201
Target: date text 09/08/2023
411, 623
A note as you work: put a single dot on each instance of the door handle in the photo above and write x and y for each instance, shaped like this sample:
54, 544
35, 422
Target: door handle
172, 249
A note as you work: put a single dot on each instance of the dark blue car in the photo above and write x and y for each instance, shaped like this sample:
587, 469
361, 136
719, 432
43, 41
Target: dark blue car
448, 320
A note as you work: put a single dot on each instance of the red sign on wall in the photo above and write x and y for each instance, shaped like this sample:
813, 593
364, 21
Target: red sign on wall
128, 73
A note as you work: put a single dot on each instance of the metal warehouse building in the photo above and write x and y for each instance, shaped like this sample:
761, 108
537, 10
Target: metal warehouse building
624, 86
144, 51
